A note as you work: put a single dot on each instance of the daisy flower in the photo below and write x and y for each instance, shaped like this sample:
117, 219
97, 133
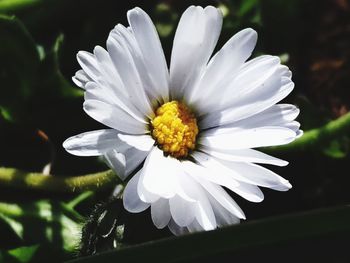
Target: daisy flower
184, 136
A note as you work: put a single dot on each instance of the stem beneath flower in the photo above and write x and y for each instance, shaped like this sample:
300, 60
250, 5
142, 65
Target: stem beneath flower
37, 181
315, 137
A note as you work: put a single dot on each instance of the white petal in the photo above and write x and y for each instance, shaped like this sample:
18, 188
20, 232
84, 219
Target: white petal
101, 92
108, 73
243, 155
182, 211
113, 117
140, 142
93, 143
220, 195
89, 64
223, 216
125, 65
249, 192
224, 64
277, 115
121, 34
195, 38
258, 175
80, 78
162, 176
251, 138
158, 176
151, 49
125, 161
134, 158
195, 227
204, 212
214, 176
245, 172
224, 177
144, 193
131, 199
176, 229
263, 96
116, 161
160, 212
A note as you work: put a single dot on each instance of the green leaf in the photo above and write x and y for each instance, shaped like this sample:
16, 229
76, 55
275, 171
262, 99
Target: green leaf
19, 62
34, 253
16, 5
327, 225
53, 83
338, 148
44, 221
23, 254
28, 74
247, 6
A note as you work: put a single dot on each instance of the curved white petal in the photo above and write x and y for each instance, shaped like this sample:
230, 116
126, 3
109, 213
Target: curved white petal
176, 229
113, 117
223, 66
243, 155
260, 98
116, 161
182, 211
140, 142
249, 192
214, 176
80, 78
101, 92
250, 138
222, 176
258, 175
126, 67
162, 176
223, 216
134, 157
160, 212
195, 38
245, 172
158, 175
281, 115
121, 34
131, 199
152, 53
144, 193
89, 64
204, 212
93, 143
108, 73
222, 197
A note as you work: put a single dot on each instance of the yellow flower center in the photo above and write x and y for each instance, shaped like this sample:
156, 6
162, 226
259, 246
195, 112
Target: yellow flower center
175, 129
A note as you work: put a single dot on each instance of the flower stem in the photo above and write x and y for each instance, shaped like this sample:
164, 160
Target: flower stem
25, 180
15, 5
315, 137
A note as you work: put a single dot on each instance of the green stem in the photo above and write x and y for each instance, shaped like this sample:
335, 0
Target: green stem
37, 181
313, 138
15, 5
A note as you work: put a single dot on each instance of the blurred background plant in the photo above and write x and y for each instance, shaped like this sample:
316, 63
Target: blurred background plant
44, 206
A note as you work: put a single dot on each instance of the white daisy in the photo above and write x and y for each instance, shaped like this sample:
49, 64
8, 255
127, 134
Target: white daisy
188, 132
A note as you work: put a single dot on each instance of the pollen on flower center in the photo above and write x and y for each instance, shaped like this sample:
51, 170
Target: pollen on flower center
175, 129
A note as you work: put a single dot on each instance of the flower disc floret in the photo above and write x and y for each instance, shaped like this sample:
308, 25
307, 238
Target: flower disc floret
175, 129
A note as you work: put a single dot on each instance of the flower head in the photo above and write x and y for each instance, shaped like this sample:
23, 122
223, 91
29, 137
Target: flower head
185, 133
